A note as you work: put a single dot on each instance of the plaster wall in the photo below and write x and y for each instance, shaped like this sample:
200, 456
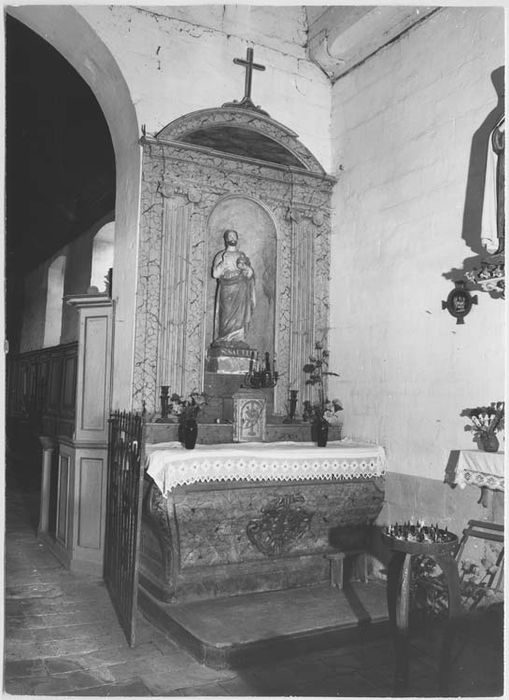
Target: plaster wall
78, 261
410, 129
177, 60
34, 309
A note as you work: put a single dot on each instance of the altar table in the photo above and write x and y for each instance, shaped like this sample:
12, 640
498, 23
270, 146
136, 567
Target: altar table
223, 520
477, 468
171, 465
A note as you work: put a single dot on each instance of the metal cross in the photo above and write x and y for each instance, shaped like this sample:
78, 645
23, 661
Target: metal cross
250, 66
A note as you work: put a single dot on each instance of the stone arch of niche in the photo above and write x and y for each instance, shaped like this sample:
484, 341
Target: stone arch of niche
221, 128
188, 168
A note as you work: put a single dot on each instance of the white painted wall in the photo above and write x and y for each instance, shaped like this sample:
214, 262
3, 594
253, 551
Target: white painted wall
34, 309
403, 124
177, 60
54, 295
102, 256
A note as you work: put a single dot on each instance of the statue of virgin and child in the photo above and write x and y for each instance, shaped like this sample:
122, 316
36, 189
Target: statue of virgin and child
235, 295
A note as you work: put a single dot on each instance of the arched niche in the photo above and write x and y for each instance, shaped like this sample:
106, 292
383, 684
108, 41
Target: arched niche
257, 239
102, 256
54, 302
67, 31
229, 168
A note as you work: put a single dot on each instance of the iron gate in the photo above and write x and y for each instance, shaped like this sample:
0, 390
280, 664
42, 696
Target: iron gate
123, 516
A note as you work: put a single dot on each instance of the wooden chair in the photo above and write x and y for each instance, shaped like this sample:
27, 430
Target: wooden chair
493, 532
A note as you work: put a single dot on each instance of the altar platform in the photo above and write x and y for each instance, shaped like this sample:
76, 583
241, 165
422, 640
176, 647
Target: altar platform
235, 541
262, 627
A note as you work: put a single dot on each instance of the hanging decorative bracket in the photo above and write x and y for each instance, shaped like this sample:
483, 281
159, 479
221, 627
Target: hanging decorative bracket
459, 302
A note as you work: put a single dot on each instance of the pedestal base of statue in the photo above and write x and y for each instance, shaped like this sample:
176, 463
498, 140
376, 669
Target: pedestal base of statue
229, 359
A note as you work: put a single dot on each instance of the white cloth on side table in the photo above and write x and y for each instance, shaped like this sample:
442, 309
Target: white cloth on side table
479, 468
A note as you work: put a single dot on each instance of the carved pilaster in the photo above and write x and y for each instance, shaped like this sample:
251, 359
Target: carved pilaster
302, 305
174, 296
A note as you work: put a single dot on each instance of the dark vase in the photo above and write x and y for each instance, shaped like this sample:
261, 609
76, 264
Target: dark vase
489, 442
320, 432
188, 433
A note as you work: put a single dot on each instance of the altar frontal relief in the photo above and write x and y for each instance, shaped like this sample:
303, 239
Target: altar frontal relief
241, 301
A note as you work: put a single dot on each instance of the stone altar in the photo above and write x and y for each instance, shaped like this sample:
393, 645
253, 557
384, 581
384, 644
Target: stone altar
251, 517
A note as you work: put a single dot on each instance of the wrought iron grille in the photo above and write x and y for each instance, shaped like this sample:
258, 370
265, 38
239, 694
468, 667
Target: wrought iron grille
123, 516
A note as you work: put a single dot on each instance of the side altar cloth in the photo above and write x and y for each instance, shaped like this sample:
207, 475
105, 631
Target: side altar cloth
224, 520
477, 468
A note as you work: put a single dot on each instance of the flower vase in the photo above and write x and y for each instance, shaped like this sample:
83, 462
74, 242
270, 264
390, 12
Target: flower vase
320, 432
189, 433
489, 442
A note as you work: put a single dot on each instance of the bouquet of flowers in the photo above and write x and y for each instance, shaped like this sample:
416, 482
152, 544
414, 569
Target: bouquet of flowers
189, 407
487, 420
317, 369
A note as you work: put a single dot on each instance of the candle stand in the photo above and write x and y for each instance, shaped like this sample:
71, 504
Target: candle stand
263, 377
398, 599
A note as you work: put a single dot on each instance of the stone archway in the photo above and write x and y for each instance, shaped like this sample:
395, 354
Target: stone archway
68, 32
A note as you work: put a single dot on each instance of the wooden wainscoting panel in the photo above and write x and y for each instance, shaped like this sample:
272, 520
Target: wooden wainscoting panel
91, 501
64, 466
94, 415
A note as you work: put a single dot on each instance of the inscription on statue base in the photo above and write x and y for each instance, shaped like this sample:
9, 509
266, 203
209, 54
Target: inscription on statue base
224, 359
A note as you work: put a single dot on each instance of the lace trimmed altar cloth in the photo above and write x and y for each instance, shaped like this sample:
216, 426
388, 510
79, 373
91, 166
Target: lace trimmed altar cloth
171, 465
478, 468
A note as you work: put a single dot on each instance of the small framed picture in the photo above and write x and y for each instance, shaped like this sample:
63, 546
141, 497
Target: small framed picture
459, 302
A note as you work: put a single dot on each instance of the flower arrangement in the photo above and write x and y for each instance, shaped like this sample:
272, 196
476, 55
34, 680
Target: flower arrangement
490, 277
487, 420
317, 369
187, 408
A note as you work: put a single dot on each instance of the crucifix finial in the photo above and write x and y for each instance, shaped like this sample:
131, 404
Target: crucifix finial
249, 65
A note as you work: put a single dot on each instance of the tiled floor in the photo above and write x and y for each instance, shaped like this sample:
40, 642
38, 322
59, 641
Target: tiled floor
62, 638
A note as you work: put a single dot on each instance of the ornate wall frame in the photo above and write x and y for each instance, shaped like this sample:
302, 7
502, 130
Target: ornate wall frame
181, 184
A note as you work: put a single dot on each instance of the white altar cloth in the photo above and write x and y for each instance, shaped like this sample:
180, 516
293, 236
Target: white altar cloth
478, 468
171, 465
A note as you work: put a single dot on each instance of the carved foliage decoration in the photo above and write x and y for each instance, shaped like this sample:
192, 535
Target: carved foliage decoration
281, 524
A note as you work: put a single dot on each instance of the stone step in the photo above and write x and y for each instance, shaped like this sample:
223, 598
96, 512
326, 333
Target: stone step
248, 629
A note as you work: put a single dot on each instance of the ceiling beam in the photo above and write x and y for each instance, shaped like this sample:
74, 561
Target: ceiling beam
342, 37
